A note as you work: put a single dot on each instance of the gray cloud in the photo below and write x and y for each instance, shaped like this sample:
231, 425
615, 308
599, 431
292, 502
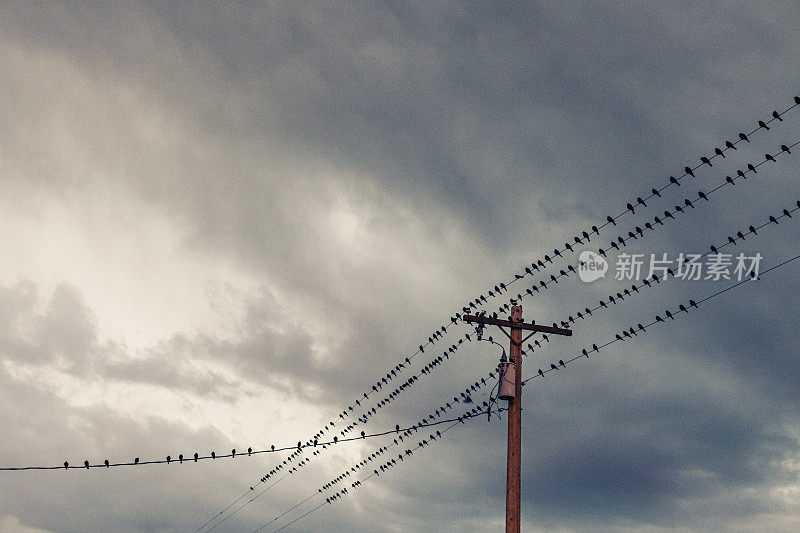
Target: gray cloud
360, 171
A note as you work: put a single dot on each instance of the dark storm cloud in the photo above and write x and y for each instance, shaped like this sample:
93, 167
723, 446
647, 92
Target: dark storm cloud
520, 122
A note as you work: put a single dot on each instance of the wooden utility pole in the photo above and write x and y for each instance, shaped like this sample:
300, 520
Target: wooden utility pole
515, 325
514, 458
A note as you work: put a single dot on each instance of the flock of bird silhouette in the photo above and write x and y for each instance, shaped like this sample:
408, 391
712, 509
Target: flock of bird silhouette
501, 287
542, 264
584, 235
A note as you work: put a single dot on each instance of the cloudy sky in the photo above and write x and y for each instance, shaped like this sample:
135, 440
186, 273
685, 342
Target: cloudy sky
222, 223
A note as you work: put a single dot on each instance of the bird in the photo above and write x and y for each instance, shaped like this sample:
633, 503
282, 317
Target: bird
730, 145
272, 447
553, 367
740, 235
540, 372
741, 174
768, 157
195, 457
609, 219
785, 148
669, 315
762, 124
777, 115
86, 464
751, 168
560, 362
688, 171
786, 213
585, 353
743, 137
66, 464
719, 152
673, 180
136, 461
168, 459
106, 463
213, 455
363, 435
702, 195
630, 208
773, 219
595, 348
692, 303
729, 180
706, 161
180, 458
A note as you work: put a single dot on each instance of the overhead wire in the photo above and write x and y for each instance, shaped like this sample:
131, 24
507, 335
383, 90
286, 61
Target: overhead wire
655, 280
580, 356
499, 288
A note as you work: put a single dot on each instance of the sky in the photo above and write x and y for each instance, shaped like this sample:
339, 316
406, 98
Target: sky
222, 223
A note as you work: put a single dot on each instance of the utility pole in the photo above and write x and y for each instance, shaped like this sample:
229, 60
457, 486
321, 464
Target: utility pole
515, 325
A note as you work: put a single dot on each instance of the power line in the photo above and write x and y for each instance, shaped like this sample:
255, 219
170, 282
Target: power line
442, 331
439, 333
655, 280
582, 355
